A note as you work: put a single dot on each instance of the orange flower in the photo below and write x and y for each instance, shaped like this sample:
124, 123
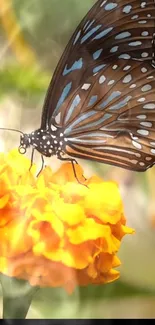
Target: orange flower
54, 231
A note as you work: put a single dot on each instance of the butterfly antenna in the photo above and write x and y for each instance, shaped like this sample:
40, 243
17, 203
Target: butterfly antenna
15, 130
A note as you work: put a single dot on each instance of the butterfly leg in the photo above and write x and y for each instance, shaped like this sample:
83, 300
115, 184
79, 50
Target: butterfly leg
42, 166
32, 156
72, 162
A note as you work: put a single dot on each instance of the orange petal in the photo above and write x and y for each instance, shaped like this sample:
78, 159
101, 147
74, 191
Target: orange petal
4, 200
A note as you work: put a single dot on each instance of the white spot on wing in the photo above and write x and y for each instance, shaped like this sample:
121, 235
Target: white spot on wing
143, 4
145, 33
111, 82
133, 86
134, 17
127, 67
136, 145
146, 88
141, 164
143, 70
127, 78
149, 106
53, 128
57, 118
102, 79
144, 55
115, 66
86, 86
141, 117
143, 132
142, 22
141, 99
147, 124
150, 77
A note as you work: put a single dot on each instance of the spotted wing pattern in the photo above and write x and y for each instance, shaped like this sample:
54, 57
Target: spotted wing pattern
111, 118
111, 30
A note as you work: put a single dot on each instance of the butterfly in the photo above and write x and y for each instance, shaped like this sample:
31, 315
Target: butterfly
100, 104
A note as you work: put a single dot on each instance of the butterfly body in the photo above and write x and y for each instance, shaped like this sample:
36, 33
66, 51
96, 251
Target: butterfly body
100, 104
48, 143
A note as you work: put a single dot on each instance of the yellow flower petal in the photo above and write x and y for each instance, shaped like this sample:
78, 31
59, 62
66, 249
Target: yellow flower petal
101, 206
89, 230
54, 231
72, 214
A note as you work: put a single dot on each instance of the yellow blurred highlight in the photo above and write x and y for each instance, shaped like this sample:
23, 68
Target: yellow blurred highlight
16, 42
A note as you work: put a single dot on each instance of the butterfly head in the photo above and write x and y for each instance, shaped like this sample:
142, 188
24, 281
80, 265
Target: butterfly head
25, 142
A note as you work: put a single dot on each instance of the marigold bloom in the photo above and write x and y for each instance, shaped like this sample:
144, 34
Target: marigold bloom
54, 231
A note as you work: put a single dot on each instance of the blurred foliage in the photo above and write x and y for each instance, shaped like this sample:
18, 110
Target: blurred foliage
47, 25
22, 81
85, 298
113, 290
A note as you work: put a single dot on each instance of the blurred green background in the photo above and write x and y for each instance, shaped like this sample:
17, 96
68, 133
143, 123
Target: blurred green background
33, 34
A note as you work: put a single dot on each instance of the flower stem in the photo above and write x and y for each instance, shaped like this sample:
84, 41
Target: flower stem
17, 297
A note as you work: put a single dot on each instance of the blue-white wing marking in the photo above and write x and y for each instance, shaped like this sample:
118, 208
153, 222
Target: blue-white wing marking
111, 30
119, 127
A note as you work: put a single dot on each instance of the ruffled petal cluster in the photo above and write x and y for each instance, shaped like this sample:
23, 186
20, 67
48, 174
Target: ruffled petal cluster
56, 232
